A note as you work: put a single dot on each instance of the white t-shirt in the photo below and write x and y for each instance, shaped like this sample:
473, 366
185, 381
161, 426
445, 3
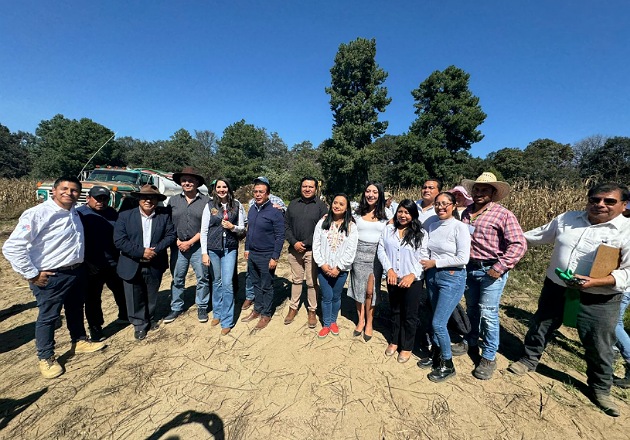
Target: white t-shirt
369, 232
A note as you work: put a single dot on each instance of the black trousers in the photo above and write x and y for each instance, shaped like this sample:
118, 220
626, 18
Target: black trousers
64, 289
262, 280
404, 304
596, 322
141, 298
97, 278
425, 318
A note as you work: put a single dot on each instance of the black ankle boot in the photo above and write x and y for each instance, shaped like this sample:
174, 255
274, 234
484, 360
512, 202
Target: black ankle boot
432, 360
623, 382
445, 370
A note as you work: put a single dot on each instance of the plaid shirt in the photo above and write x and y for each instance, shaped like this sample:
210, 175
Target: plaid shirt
497, 235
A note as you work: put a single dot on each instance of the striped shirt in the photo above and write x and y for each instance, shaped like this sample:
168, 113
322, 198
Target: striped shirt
497, 235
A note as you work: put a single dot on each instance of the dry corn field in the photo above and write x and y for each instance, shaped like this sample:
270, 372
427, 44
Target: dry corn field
533, 206
16, 195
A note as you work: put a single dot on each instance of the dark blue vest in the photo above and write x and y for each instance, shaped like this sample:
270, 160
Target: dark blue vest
215, 230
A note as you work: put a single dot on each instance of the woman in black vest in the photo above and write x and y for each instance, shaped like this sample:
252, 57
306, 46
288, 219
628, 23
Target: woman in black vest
221, 225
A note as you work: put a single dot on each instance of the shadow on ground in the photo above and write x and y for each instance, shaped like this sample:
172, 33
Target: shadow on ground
9, 408
15, 309
211, 422
16, 337
20, 335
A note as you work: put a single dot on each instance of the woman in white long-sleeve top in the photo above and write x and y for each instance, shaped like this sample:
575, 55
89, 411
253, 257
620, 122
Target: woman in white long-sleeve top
401, 247
334, 248
449, 252
222, 220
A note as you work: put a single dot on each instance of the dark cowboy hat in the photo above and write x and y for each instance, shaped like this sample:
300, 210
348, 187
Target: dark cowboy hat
149, 190
190, 171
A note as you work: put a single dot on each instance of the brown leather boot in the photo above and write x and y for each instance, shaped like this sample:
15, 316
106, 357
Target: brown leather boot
312, 319
290, 316
262, 322
251, 316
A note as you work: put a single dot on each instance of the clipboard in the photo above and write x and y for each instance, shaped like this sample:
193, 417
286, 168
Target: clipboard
606, 260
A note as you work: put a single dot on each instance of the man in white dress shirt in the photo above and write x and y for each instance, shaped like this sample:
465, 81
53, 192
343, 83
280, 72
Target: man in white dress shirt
576, 236
47, 249
426, 210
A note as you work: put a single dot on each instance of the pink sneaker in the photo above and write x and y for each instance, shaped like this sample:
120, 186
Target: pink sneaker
323, 332
334, 329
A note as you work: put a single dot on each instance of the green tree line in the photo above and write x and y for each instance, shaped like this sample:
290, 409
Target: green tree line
437, 143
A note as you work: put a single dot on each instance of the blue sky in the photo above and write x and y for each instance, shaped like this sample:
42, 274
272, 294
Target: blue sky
542, 69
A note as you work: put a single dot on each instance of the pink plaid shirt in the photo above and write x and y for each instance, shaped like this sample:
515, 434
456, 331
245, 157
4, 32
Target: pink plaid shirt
497, 236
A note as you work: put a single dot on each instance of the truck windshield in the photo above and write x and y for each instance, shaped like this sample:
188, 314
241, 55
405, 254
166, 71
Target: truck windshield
113, 176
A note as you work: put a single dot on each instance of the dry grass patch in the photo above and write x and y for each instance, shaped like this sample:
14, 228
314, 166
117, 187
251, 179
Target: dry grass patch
16, 195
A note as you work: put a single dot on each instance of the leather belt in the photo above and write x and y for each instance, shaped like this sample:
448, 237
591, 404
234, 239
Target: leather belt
481, 263
66, 268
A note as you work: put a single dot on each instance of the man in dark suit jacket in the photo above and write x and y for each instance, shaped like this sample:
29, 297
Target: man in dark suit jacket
143, 235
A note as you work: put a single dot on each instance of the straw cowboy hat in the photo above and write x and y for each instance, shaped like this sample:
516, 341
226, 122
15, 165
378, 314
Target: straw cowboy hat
149, 190
190, 171
502, 188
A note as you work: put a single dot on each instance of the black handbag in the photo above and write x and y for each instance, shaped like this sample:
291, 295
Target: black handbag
459, 322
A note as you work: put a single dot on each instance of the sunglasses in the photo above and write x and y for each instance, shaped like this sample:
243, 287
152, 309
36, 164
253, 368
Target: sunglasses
607, 201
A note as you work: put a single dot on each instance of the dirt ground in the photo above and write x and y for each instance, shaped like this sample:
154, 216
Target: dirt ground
185, 381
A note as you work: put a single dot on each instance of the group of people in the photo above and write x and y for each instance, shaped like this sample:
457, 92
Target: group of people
431, 253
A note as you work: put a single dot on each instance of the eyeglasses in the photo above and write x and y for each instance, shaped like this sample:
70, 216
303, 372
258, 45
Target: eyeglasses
607, 201
443, 205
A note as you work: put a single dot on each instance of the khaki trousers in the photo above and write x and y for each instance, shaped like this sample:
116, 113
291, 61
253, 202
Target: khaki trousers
303, 266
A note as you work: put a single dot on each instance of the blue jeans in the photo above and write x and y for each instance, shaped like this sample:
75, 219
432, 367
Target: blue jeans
223, 263
331, 295
64, 289
623, 340
483, 294
446, 288
179, 268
